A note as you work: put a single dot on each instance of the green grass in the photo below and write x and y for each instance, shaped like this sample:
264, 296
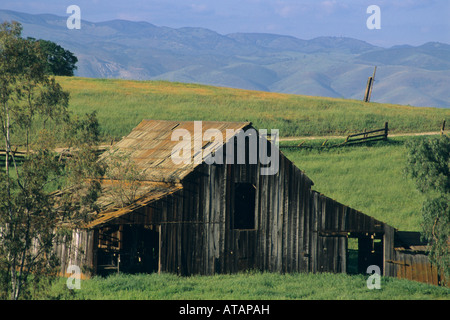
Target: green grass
369, 178
122, 104
244, 286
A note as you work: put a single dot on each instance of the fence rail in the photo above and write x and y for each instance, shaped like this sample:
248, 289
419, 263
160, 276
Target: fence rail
381, 134
361, 137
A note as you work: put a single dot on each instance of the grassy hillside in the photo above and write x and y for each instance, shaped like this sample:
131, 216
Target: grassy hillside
369, 178
122, 104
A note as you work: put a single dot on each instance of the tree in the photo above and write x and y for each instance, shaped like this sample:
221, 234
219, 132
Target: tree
124, 175
428, 162
34, 113
60, 62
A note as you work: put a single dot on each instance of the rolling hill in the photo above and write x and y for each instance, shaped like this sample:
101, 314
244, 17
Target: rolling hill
122, 104
324, 66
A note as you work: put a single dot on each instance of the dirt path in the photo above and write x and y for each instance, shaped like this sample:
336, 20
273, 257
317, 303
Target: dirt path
343, 137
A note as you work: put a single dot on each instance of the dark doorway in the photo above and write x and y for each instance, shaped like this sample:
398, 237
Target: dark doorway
352, 255
140, 250
244, 206
128, 248
364, 250
108, 250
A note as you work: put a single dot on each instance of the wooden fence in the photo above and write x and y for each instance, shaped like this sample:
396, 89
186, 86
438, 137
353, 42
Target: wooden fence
365, 136
362, 137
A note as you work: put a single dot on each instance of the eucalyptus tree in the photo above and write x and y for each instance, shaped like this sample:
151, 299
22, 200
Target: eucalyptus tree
34, 119
428, 163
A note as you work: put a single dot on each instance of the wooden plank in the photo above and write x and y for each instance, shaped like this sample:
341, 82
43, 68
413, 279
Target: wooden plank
221, 223
366, 133
269, 193
257, 249
284, 205
306, 224
218, 209
316, 208
294, 216
208, 189
277, 254
301, 217
331, 233
343, 254
388, 250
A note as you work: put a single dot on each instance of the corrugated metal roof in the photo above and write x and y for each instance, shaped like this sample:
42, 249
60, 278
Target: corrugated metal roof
150, 146
147, 193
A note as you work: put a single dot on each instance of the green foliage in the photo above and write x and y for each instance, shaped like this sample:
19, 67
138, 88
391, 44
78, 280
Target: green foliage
60, 62
428, 163
436, 228
31, 217
124, 176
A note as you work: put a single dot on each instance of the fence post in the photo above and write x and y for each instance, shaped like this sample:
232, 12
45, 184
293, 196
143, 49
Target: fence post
443, 127
386, 129
366, 94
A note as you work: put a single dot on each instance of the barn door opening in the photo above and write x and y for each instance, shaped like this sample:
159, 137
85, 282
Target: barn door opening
108, 249
140, 252
352, 255
128, 248
364, 250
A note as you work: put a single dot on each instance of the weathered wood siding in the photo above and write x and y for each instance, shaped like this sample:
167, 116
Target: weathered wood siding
296, 229
78, 250
414, 266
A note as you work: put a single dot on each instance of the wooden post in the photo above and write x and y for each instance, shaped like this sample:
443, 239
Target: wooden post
388, 251
159, 249
372, 82
366, 94
386, 130
369, 86
443, 127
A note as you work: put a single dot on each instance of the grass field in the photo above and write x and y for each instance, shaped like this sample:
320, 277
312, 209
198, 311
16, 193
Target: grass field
245, 286
369, 178
122, 104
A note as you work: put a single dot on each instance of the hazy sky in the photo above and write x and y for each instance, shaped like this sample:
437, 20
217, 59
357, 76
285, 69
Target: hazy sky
402, 21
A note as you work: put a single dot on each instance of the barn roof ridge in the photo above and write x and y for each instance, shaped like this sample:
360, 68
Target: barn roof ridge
150, 146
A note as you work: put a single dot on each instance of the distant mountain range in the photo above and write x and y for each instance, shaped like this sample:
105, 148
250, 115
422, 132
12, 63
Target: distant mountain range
324, 66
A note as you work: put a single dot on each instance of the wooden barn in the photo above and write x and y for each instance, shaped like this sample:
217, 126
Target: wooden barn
199, 218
